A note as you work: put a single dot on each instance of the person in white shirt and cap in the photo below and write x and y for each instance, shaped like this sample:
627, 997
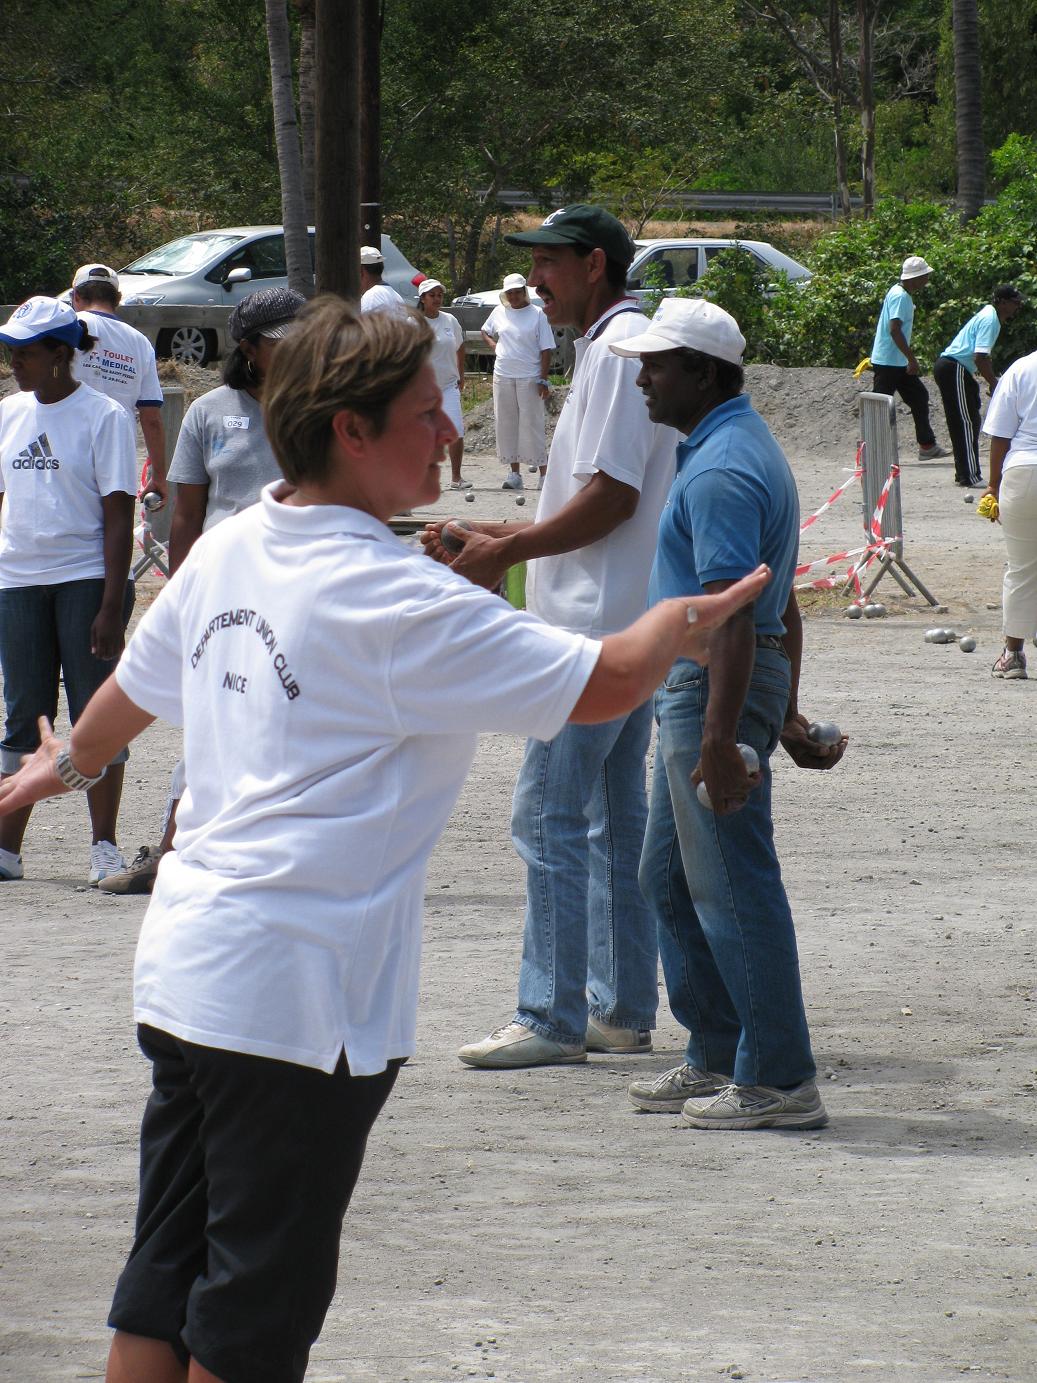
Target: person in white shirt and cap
522, 342
894, 363
122, 364
449, 364
332, 683
376, 296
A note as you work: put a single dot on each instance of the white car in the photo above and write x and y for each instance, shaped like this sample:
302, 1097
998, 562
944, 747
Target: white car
217, 268
680, 263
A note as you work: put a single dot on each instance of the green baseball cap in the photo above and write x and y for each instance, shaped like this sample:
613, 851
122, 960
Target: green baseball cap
589, 226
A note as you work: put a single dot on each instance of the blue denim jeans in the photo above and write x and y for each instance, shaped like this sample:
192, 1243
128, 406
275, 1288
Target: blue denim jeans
578, 822
726, 937
44, 639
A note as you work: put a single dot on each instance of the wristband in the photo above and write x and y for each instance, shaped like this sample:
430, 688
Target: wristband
71, 776
545, 382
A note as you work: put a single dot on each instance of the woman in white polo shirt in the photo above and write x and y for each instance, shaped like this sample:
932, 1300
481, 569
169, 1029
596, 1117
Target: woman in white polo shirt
331, 683
448, 363
68, 477
1011, 425
520, 337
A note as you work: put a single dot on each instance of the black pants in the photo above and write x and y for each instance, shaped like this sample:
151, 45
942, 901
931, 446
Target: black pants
960, 394
894, 379
247, 1166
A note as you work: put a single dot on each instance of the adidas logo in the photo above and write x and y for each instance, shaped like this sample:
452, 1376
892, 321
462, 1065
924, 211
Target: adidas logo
37, 456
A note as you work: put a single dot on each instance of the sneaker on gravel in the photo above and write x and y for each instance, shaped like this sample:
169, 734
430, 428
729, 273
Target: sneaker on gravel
105, 859
138, 876
514, 1046
757, 1106
670, 1092
1011, 665
606, 1037
461, 484
931, 453
512, 481
10, 866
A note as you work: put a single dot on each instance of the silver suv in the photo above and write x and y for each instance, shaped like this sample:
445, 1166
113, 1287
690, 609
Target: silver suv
217, 268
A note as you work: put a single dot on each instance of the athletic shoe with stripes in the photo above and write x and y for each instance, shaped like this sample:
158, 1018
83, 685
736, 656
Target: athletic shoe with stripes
744, 1107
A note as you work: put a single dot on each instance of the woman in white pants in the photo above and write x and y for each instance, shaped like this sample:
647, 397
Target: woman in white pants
448, 364
1011, 425
520, 337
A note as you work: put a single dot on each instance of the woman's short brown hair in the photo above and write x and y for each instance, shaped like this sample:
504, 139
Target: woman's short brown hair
334, 359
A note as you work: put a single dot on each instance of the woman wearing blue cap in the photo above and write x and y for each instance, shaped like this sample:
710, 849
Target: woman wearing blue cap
68, 477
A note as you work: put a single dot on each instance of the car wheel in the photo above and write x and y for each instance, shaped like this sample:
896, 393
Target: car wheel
189, 345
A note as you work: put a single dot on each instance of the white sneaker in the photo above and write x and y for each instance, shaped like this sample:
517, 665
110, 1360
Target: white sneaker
461, 484
758, 1106
670, 1092
606, 1037
512, 481
10, 866
515, 1046
105, 859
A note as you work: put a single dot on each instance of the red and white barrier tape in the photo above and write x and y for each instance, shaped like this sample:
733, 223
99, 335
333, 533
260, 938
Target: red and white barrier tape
852, 572
880, 505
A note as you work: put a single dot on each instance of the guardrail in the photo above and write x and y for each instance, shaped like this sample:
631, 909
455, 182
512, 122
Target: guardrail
805, 203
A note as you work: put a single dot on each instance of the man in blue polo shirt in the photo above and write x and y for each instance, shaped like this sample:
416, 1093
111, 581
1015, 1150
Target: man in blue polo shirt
711, 874
955, 374
895, 366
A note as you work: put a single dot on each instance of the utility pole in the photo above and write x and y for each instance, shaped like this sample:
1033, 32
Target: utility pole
371, 121
337, 193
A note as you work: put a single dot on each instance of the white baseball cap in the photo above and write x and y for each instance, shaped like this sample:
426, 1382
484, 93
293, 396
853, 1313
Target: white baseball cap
511, 283
369, 255
95, 273
40, 317
427, 285
915, 267
688, 324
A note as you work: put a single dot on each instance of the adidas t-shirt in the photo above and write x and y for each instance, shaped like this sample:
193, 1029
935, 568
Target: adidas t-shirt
56, 462
121, 365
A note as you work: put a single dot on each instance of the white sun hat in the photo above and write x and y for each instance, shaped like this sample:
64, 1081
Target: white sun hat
688, 324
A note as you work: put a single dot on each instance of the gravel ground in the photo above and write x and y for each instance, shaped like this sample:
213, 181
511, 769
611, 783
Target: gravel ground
532, 1226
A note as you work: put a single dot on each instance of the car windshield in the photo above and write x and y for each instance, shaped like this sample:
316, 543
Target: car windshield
182, 256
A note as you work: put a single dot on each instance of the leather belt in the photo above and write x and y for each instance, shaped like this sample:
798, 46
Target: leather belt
770, 641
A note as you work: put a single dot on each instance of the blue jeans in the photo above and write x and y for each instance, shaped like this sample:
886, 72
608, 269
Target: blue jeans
578, 822
44, 639
726, 937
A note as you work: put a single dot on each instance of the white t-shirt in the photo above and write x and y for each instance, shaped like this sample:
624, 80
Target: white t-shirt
331, 683
449, 340
381, 298
604, 426
521, 334
121, 365
1013, 412
57, 460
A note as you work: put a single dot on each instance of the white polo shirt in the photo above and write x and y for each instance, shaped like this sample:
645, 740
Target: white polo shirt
1013, 412
604, 426
121, 365
331, 683
381, 298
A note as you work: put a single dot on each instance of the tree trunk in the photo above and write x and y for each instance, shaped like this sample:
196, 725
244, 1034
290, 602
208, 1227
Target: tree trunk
307, 78
289, 160
968, 109
867, 16
338, 148
371, 122
835, 49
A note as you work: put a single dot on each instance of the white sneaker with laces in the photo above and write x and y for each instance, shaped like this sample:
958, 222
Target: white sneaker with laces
512, 481
746, 1107
514, 1046
105, 859
670, 1092
10, 866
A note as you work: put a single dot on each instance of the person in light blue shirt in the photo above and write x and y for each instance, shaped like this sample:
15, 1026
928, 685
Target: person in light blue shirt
710, 873
893, 361
969, 354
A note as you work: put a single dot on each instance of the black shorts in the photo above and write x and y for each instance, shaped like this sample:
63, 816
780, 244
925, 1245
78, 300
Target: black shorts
246, 1168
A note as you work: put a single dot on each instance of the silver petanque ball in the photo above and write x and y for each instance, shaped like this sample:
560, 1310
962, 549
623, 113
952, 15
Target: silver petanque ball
824, 732
520, 500
872, 611
967, 643
469, 497
949, 636
854, 612
448, 536
932, 635
752, 765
